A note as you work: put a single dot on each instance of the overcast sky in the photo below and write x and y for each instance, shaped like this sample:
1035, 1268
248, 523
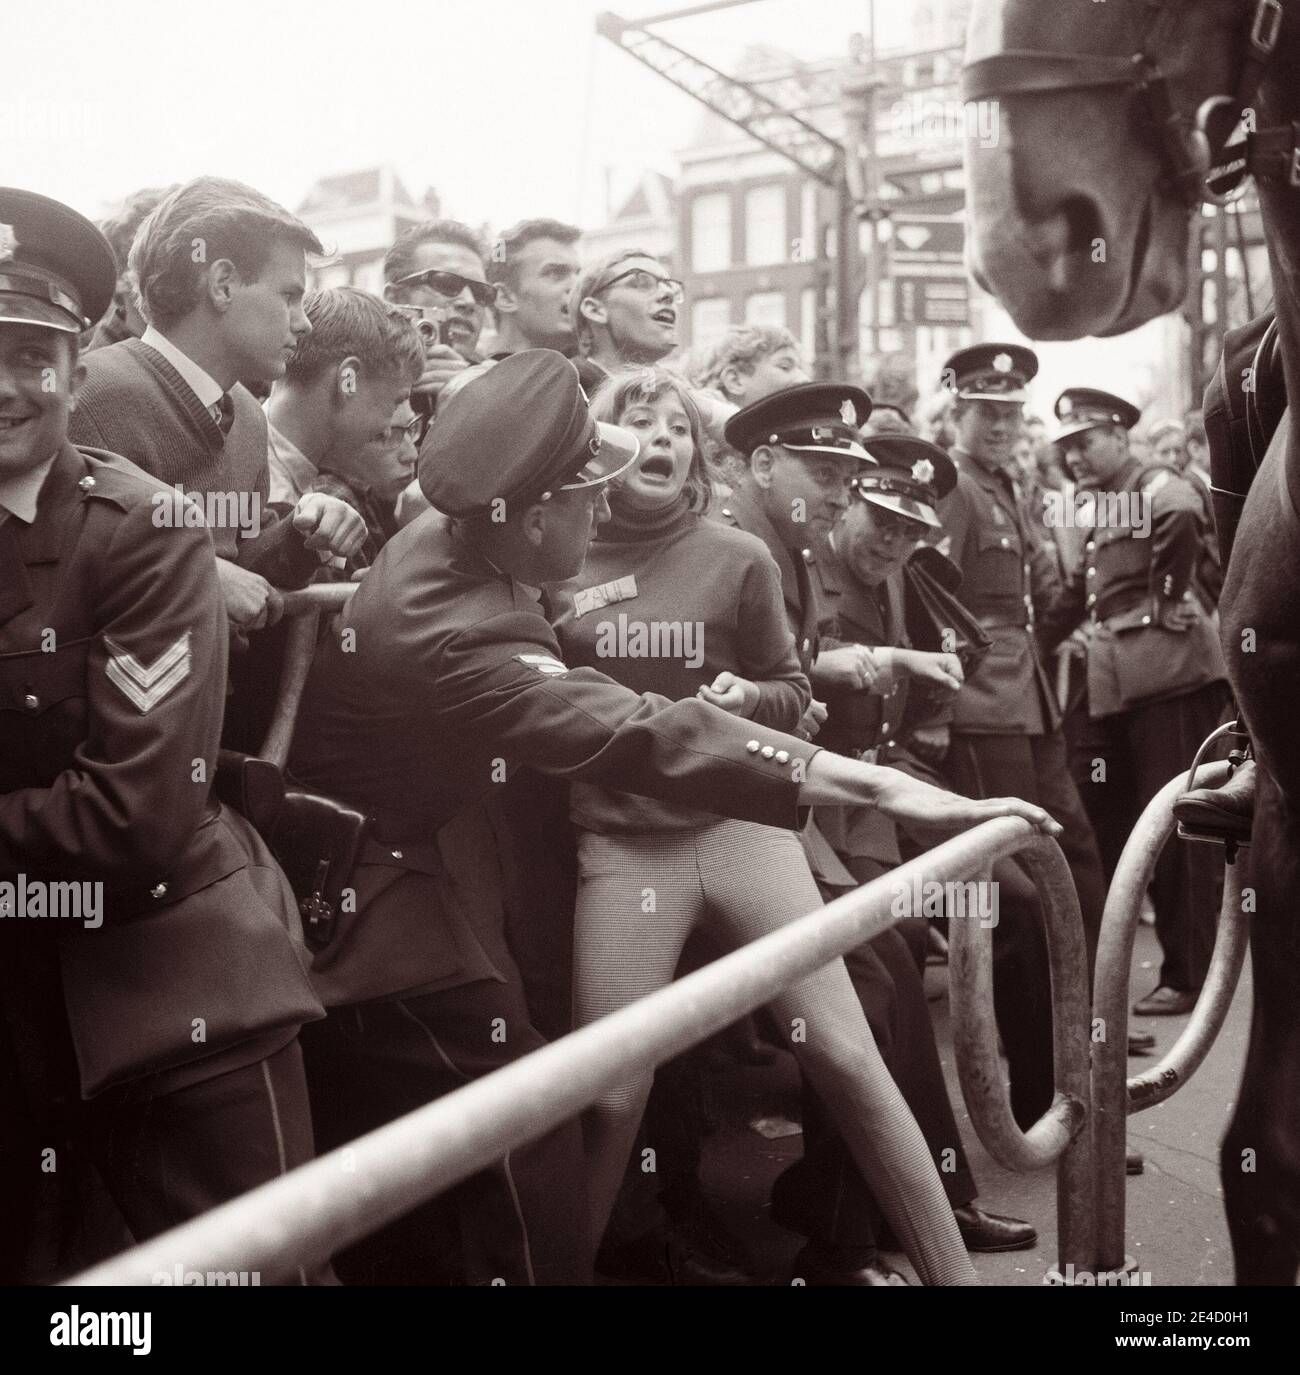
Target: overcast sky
507, 107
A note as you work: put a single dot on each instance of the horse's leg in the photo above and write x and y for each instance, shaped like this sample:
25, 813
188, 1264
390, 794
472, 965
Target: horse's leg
1260, 1162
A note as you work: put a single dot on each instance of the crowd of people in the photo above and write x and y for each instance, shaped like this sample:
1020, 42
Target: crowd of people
647, 656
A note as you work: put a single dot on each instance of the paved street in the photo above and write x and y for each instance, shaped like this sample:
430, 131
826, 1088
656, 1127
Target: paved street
1176, 1231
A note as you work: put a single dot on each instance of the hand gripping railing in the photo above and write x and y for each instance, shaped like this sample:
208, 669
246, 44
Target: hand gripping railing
1114, 1096
305, 607
307, 1215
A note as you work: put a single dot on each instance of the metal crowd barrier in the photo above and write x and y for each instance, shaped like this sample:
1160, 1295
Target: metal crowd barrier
302, 1218
1114, 1095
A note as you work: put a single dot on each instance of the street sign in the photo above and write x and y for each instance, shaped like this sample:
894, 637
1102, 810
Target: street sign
927, 267
927, 247
931, 301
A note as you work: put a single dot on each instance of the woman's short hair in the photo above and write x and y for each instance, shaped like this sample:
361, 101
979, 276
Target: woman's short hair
348, 322
200, 223
743, 347
645, 385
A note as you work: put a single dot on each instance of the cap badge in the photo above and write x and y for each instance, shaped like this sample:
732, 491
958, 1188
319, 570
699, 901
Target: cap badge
1002, 362
822, 432
1065, 406
849, 413
923, 471
8, 242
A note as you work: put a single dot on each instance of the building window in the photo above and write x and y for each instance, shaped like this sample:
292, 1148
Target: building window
765, 225
765, 308
711, 232
808, 322
709, 319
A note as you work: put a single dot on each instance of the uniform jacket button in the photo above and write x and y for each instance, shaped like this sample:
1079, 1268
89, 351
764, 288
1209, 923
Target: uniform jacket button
884, 726
1092, 597
1092, 572
767, 751
87, 483
1146, 620
1005, 541
752, 746
31, 701
397, 854
783, 756
159, 890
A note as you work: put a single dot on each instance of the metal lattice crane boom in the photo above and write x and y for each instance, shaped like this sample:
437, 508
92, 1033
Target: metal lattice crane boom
739, 102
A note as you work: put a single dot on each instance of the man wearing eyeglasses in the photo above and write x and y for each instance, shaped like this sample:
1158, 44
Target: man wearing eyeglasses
625, 311
435, 274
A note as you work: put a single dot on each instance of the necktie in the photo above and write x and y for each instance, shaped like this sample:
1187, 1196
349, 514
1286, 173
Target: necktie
223, 412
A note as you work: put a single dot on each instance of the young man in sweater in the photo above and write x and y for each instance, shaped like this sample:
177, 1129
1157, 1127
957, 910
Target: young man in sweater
331, 413
220, 271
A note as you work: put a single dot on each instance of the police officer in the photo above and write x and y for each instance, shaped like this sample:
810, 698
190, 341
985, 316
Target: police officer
151, 979
803, 451
444, 675
864, 592
1006, 728
1151, 675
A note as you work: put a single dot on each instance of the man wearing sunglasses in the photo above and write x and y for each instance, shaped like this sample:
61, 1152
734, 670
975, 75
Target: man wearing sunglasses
435, 274
625, 310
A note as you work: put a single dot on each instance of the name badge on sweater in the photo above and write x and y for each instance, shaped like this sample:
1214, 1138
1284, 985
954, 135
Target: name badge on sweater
594, 598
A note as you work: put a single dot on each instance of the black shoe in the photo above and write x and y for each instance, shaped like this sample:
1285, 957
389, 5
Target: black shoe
1164, 1001
1141, 1042
663, 1258
990, 1232
1133, 1162
821, 1265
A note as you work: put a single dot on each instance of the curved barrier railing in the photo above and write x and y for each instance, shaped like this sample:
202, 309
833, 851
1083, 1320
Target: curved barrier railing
305, 1216
1114, 1095
1059, 1134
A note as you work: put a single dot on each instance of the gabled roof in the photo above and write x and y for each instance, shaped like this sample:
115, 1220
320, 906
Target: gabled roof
349, 190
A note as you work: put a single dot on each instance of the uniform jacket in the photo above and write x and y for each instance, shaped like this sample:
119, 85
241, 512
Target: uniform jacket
443, 675
797, 586
860, 722
112, 681
804, 614
1134, 575
1008, 582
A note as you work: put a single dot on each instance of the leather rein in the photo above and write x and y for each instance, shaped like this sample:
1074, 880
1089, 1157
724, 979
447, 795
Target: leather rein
1207, 156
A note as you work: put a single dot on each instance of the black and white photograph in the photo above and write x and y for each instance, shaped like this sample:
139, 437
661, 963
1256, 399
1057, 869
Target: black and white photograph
649, 648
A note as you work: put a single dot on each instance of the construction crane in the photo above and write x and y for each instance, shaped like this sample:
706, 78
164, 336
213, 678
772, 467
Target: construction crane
774, 123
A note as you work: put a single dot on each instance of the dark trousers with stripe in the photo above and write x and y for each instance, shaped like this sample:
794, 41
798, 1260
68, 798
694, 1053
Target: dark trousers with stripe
1120, 762
522, 1221
1035, 768
162, 1157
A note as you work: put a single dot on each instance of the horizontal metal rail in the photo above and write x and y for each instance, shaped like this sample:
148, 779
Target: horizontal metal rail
305, 1216
1114, 1096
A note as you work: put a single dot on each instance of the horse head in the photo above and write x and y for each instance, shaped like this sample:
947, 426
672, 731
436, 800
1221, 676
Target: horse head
1081, 204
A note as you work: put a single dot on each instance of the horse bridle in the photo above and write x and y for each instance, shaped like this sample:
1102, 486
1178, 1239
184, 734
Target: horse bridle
1209, 155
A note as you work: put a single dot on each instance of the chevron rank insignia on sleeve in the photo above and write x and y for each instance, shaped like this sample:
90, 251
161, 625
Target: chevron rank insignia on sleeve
543, 663
147, 685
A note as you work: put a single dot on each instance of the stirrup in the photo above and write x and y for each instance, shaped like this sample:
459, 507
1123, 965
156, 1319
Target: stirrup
1201, 814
